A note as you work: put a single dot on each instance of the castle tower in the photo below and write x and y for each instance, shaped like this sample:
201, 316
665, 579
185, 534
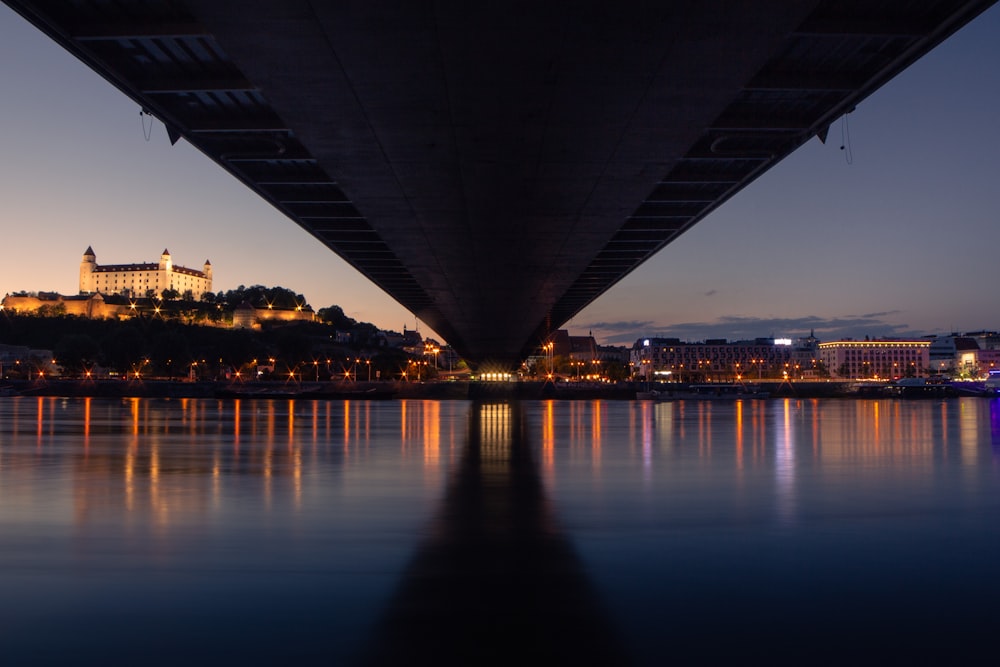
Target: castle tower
208, 276
166, 264
87, 267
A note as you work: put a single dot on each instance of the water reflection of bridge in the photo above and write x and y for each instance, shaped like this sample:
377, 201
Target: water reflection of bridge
496, 582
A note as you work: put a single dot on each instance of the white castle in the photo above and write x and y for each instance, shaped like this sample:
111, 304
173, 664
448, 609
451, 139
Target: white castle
140, 280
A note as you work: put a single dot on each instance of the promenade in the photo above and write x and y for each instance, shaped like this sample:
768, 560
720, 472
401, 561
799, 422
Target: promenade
437, 390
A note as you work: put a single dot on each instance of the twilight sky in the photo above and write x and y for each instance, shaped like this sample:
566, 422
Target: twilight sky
898, 240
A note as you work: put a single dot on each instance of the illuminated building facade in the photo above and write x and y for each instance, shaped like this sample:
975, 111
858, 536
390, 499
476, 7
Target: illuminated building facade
668, 359
969, 355
577, 348
977, 362
141, 280
882, 359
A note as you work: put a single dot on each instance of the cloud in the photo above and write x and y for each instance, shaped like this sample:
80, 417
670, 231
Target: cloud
882, 314
741, 327
711, 292
624, 325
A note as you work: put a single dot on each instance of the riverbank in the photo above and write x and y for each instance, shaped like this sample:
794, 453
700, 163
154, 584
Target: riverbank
440, 390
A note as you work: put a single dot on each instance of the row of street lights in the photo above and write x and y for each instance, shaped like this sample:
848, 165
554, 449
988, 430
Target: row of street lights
702, 366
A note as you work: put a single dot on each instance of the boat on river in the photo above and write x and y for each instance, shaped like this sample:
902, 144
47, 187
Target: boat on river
919, 388
992, 385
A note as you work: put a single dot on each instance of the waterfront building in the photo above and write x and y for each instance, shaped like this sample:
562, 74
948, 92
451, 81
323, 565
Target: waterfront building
410, 341
971, 354
946, 352
19, 361
142, 280
580, 355
613, 354
576, 348
976, 362
413, 342
876, 359
582, 348
668, 359
987, 340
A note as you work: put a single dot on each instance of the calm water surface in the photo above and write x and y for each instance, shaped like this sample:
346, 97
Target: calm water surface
572, 532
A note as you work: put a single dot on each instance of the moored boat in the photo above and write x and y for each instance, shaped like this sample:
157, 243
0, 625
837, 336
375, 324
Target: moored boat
992, 385
918, 388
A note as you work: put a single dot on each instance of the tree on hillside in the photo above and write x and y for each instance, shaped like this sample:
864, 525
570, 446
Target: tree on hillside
122, 347
170, 353
365, 334
53, 310
76, 353
334, 315
293, 346
259, 296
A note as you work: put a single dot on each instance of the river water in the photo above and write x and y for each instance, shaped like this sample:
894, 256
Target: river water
144, 531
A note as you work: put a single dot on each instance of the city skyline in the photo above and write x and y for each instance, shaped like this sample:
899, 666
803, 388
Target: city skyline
888, 236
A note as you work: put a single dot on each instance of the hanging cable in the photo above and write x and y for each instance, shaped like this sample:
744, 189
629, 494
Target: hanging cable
845, 139
147, 131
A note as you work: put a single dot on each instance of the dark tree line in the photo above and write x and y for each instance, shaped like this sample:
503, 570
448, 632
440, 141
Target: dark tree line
257, 296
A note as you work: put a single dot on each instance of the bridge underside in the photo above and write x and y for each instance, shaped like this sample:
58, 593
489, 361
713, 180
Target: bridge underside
495, 169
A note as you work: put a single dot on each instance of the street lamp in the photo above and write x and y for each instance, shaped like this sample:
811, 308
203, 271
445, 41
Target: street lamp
430, 348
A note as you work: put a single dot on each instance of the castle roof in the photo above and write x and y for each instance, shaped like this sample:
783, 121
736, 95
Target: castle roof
113, 268
107, 268
190, 272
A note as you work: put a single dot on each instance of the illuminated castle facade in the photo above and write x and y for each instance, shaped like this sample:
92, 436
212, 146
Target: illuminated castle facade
140, 280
